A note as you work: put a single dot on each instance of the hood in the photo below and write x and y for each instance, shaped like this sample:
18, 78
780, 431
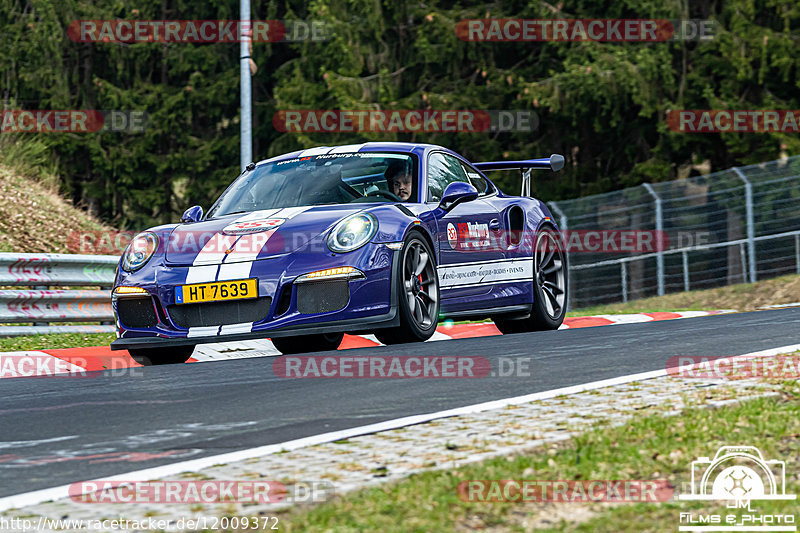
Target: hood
252, 236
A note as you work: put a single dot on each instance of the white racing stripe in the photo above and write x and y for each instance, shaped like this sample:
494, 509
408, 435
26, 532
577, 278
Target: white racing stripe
203, 331
214, 250
228, 271
257, 215
319, 150
249, 246
347, 149
201, 274
231, 329
57, 493
213, 264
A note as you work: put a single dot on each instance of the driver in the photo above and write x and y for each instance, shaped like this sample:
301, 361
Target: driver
399, 179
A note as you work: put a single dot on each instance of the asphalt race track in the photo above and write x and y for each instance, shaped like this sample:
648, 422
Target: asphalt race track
55, 431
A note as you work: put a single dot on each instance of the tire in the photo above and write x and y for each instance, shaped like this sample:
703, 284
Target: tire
308, 343
550, 287
417, 285
162, 356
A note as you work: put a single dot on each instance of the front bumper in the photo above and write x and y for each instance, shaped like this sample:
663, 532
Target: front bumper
372, 301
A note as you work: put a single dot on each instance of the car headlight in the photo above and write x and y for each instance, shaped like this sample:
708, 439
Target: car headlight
139, 251
352, 232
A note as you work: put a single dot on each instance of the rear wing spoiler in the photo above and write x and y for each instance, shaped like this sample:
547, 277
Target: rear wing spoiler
555, 163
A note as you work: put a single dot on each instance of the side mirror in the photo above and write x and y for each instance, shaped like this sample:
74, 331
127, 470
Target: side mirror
456, 193
193, 214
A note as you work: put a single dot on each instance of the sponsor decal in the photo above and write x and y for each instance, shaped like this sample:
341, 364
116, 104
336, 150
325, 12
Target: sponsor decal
452, 235
473, 235
737, 475
487, 272
252, 226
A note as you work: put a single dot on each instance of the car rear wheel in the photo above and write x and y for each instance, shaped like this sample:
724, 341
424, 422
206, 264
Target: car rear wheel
418, 294
162, 356
550, 288
308, 343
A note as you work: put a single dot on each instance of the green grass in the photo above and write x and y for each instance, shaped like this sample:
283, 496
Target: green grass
58, 340
649, 447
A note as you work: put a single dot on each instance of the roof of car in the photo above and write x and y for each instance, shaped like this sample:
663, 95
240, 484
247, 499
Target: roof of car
417, 148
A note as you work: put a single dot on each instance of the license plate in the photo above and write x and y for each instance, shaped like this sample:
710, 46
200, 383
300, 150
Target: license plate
217, 291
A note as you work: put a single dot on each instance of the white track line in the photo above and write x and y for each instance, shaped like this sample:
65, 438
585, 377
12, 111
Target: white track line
57, 493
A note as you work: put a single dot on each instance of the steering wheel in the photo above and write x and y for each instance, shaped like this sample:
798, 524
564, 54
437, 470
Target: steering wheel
386, 194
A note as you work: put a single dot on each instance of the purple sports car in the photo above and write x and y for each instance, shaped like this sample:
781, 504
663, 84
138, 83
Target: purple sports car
384, 238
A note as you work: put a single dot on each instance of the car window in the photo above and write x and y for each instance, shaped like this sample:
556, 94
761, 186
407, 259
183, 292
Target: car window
443, 169
478, 181
359, 177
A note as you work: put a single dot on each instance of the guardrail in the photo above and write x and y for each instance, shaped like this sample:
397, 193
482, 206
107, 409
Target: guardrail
40, 305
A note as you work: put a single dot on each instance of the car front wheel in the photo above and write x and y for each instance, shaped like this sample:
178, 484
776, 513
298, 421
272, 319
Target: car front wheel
418, 294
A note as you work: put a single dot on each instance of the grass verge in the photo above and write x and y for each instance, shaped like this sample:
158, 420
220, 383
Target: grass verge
57, 340
648, 447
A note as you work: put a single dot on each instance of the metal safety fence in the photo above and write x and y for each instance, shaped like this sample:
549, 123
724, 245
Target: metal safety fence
33, 308
734, 226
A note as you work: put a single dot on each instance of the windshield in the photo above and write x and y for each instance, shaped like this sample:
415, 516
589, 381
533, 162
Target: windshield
322, 180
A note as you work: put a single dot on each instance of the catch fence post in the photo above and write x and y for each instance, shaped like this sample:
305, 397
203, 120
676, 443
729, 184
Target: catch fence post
797, 251
624, 278
751, 230
659, 237
685, 271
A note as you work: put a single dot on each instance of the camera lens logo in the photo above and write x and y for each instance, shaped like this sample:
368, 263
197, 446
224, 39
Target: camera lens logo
738, 482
